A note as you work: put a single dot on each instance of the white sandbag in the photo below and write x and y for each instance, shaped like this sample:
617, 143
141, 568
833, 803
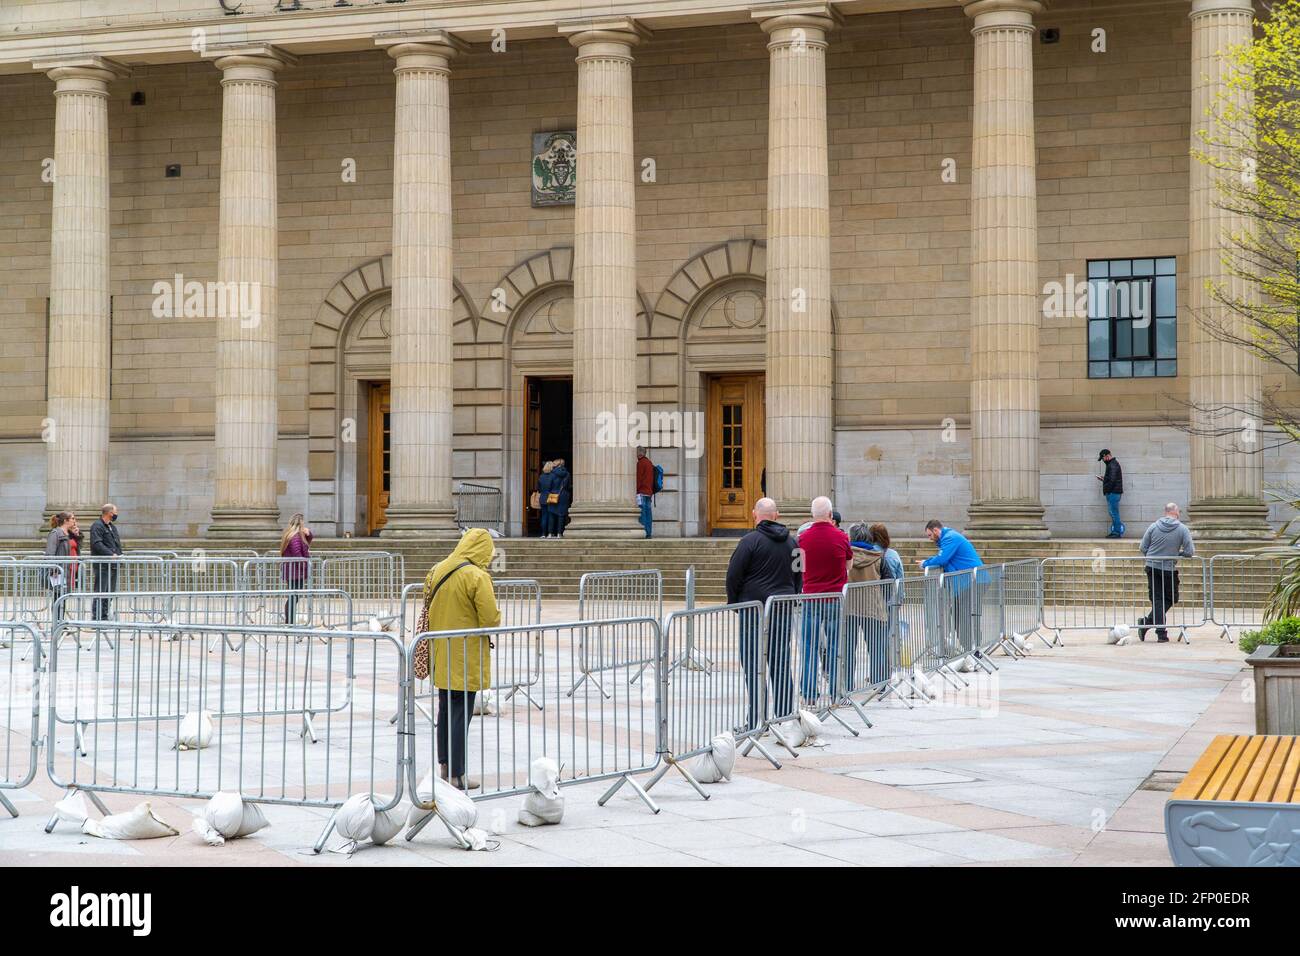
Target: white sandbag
228, 814
454, 806
922, 686
966, 665
1119, 634
73, 808
716, 765
388, 823
195, 731
805, 731
358, 820
544, 806
137, 824
485, 704
207, 832
1020, 642
374, 625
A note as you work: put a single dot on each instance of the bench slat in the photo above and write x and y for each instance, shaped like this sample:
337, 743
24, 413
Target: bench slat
1254, 771
1203, 769
1223, 772
1288, 788
1269, 789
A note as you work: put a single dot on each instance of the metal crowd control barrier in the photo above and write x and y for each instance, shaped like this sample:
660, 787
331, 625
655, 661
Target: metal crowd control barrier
480, 506
1022, 600
1104, 591
914, 623
728, 695
26, 591
591, 737
373, 579
1240, 585
868, 618
115, 716
203, 572
21, 707
804, 656
520, 603
603, 595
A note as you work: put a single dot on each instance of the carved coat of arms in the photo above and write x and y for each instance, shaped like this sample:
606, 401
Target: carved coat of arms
555, 168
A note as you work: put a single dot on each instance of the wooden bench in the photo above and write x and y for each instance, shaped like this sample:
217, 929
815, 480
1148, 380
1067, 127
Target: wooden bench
1239, 805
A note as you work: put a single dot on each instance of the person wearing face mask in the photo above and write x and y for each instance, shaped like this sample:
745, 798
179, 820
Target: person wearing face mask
106, 545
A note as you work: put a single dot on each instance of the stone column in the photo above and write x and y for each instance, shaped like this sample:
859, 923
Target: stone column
420, 496
604, 279
1225, 380
76, 477
244, 452
1006, 304
800, 336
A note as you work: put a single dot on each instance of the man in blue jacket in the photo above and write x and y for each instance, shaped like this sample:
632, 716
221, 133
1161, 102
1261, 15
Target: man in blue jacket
955, 554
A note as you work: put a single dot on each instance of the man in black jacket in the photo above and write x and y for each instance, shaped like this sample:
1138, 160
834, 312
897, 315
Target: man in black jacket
762, 566
105, 545
1112, 486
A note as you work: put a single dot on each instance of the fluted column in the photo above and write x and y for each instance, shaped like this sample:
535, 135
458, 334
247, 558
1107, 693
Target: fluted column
420, 495
1225, 382
1005, 302
800, 336
79, 346
604, 278
244, 452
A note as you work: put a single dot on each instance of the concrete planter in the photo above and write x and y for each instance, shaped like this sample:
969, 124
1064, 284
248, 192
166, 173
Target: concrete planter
1277, 688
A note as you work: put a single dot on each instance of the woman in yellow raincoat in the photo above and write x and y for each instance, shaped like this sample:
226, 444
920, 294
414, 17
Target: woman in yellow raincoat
460, 666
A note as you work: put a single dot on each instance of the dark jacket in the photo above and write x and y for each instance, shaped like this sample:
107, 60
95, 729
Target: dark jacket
762, 565
57, 544
545, 485
104, 539
563, 487
1112, 483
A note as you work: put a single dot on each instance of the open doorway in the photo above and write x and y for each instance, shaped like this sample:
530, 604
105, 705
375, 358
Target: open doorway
548, 434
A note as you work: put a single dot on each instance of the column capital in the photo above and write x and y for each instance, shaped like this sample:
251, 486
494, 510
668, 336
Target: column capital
1003, 14
250, 62
780, 20
604, 36
1205, 8
422, 50
84, 73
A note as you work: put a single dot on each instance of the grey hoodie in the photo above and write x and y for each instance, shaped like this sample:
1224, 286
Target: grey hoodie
1164, 542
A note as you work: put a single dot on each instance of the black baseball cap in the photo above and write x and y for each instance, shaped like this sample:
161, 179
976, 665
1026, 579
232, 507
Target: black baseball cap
1103, 453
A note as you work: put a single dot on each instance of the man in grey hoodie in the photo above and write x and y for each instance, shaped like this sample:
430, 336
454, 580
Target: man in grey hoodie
1163, 544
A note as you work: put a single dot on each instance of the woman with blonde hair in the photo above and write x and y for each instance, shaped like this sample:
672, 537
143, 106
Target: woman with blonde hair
545, 492
295, 544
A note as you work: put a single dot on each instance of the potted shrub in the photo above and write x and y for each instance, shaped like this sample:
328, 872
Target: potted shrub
1273, 653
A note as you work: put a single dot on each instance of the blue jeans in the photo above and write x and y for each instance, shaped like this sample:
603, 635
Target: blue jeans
647, 514
1112, 505
819, 617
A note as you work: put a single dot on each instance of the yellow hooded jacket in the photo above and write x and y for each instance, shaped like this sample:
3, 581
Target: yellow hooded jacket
465, 600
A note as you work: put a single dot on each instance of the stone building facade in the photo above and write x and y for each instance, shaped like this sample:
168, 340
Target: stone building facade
820, 232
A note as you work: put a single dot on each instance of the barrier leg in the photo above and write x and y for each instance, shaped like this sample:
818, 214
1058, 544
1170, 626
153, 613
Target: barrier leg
659, 774
862, 714
4, 802
640, 792
415, 828
94, 798
830, 712
588, 676
80, 738
690, 778
942, 671
753, 743
325, 833
307, 729
1182, 635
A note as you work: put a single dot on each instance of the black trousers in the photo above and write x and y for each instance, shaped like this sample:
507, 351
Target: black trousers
291, 605
105, 583
1162, 587
777, 678
455, 711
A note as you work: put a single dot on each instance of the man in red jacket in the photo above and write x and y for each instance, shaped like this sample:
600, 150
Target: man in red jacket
827, 557
645, 490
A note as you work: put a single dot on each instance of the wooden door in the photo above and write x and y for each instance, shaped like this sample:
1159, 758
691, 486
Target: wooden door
378, 426
737, 434
532, 452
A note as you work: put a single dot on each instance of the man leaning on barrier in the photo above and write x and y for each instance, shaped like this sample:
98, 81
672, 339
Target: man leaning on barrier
763, 565
1163, 544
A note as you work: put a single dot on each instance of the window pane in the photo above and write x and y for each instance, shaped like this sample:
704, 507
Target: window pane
1142, 340
1166, 296
1123, 340
1143, 267
1097, 269
1098, 370
1165, 267
1144, 369
1121, 369
1168, 369
1097, 299
1099, 340
1166, 338
1121, 267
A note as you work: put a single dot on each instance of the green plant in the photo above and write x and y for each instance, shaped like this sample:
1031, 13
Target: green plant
1285, 630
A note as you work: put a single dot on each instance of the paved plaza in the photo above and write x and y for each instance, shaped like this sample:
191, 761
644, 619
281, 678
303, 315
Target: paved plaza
1062, 759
